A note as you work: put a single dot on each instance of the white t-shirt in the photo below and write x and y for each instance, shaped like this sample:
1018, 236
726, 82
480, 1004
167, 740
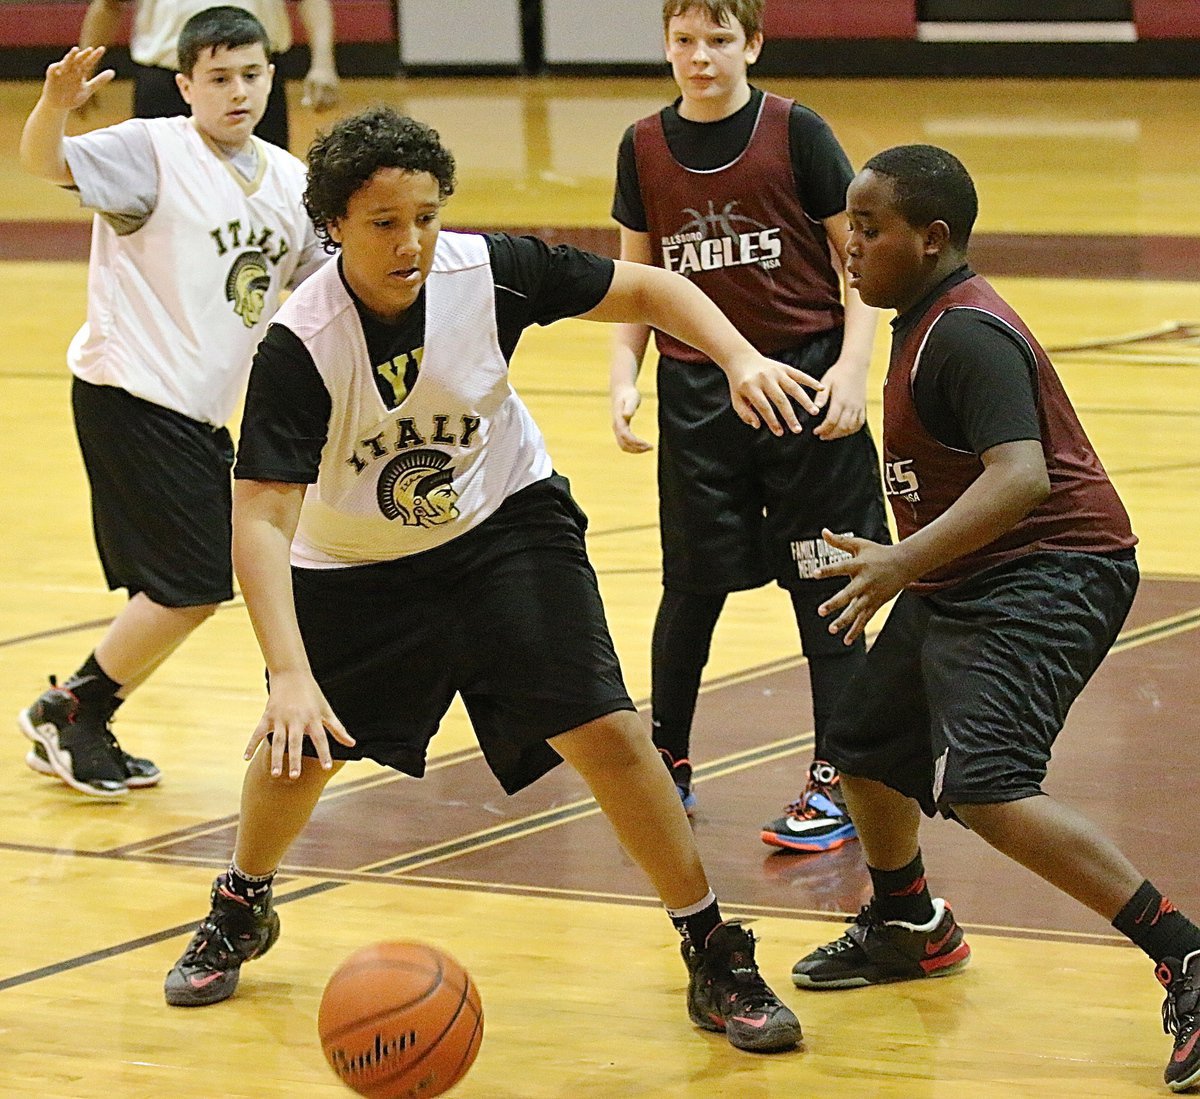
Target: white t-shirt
187, 262
157, 23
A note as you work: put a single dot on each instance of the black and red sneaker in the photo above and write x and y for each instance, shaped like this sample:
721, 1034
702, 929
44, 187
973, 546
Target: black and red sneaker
873, 952
139, 771
233, 932
1181, 1018
727, 993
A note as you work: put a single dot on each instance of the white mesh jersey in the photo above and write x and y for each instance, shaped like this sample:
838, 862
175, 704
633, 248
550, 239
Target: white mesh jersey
176, 308
394, 483
157, 23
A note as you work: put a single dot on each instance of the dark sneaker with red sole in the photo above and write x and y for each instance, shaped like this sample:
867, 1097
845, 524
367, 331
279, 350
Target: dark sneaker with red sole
873, 952
1181, 1018
726, 993
233, 932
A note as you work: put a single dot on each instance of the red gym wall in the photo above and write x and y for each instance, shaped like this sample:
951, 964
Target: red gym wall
53, 23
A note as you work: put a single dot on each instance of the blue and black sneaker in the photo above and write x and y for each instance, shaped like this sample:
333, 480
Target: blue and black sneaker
681, 775
818, 821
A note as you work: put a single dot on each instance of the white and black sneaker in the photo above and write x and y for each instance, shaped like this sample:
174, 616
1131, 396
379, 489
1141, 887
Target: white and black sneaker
79, 748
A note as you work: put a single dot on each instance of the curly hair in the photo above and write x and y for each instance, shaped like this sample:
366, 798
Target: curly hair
355, 148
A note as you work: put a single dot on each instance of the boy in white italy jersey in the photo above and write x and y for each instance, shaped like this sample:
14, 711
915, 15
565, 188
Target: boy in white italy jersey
198, 228
395, 508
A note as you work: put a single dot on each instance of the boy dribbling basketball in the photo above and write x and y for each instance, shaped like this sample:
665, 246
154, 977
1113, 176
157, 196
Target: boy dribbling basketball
396, 509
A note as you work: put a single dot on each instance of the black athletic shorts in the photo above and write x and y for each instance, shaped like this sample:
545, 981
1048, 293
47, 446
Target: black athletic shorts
963, 693
738, 506
161, 496
508, 615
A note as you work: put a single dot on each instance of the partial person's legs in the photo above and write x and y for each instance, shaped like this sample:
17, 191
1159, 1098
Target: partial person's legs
818, 820
273, 126
155, 93
903, 933
1060, 845
70, 724
242, 923
683, 631
888, 822
618, 762
274, 811
1072, 854
142, 636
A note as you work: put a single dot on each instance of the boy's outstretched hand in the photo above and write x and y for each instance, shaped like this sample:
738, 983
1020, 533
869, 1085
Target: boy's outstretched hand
877, 573
70, 83
762, 391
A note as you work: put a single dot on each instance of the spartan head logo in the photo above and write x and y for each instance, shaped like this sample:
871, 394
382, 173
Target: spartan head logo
415, 487
246, 286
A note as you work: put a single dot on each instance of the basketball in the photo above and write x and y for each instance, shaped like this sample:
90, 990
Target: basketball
400, 1019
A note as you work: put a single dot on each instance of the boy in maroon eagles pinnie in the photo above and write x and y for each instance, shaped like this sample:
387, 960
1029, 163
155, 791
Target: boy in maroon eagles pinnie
1014, 573
743, 193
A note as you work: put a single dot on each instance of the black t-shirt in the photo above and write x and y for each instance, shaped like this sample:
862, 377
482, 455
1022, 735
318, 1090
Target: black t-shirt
976, 385
285, 423
819, 164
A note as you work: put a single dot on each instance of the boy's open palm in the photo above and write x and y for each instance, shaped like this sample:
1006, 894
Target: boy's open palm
296, 709
70, 83
876, 574
762, 391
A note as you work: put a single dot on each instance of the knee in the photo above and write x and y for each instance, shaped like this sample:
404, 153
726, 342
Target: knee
199, 615
994, 822
613, 744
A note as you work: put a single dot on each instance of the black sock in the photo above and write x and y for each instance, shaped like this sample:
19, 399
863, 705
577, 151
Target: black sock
248, 887
902, 894
697, 925
94, 688
683, 632
1150, 921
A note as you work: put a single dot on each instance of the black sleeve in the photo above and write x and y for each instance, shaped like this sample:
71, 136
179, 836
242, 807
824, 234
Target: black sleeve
538, 284
977, 383
627, 208
286, 420
822, 169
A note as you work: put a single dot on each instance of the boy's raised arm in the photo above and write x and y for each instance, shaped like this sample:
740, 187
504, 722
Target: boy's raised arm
69, 84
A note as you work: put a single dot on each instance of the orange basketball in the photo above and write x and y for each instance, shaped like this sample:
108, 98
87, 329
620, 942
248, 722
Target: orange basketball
400, 1019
